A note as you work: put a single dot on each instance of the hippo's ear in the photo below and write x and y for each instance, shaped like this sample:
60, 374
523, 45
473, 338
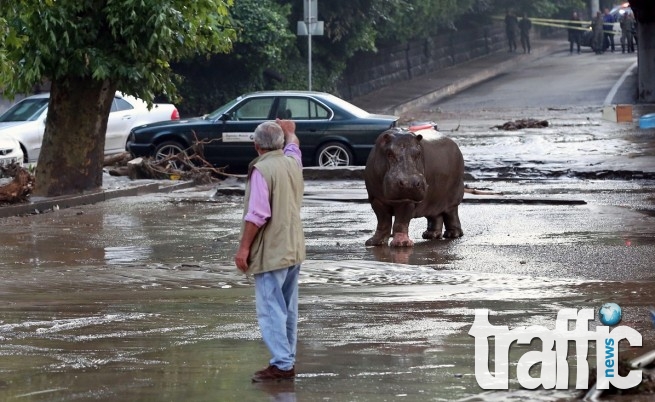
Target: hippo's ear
419, 137
386, 137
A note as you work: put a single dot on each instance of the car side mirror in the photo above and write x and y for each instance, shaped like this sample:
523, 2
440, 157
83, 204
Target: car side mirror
225, 117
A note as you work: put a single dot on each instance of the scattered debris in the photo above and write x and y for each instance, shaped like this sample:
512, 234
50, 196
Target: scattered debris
176, 167
188, 165
522, 123
477, 191
19, 189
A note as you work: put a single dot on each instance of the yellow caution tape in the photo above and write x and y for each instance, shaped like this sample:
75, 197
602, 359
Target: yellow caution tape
566, 24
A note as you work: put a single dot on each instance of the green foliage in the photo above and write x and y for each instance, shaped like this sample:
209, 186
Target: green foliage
353, 26
541, 8
264, 42
127, 42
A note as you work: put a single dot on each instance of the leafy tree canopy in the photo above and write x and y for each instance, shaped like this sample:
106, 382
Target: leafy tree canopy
264, 43
128, 42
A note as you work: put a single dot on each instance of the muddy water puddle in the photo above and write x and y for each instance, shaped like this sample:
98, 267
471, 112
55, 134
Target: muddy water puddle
138, 299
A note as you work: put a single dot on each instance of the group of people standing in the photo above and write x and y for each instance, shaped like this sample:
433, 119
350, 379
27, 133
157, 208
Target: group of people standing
602, 26
513, 27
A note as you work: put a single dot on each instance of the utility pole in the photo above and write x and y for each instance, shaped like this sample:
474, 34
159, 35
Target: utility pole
310, 26
309, 21
594, 6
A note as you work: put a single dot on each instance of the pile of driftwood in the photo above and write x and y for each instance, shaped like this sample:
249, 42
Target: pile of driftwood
19, 188
189, 165
522, 123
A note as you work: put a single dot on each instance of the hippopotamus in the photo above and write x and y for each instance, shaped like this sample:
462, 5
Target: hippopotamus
410, 175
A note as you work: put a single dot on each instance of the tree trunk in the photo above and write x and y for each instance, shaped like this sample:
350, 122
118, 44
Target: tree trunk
645, 16
646, 61
72, 153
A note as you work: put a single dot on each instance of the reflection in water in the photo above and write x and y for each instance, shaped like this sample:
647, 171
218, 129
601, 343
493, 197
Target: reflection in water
397, 255
283, 391
423, 252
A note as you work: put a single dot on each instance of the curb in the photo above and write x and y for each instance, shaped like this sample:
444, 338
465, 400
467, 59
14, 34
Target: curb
39, 205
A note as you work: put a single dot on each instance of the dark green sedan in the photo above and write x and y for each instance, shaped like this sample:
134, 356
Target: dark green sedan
332, 132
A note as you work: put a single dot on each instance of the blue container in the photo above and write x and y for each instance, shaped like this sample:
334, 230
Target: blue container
647, 121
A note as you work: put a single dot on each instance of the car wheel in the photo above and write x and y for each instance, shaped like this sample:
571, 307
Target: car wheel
167, 150
334, 154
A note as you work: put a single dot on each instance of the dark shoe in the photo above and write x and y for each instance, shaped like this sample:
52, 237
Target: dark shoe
272, 373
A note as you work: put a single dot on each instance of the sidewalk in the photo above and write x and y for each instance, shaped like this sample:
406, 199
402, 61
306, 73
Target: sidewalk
112, 187
405, 95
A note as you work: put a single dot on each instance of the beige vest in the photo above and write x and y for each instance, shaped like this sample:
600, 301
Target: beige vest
280, 242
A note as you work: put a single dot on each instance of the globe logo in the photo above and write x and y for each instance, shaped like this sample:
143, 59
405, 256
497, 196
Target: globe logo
610, 314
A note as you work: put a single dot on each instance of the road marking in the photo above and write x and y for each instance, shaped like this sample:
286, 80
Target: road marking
617, 85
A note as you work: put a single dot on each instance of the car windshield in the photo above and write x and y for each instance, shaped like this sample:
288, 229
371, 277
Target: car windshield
25, 110
221, 110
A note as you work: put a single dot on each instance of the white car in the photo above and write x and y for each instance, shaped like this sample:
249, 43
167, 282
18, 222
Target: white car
25, 121
10, 152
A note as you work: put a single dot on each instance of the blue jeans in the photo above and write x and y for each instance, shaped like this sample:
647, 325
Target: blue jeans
276, 301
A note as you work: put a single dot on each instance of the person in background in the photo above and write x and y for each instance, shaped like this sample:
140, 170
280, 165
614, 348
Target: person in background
272, 244
511, 27
597, 42
608, 29
524, 27
574, 32
627, 22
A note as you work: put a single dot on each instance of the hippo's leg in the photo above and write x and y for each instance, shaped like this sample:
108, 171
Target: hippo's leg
383, 230
451, 221
403, 214
435, 227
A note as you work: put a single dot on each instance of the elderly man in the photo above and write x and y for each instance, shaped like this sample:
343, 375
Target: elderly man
272, 245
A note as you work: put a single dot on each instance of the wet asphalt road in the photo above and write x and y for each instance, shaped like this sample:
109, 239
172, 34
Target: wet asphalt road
137, 298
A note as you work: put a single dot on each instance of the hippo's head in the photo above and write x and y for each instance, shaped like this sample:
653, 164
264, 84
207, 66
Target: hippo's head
402, 153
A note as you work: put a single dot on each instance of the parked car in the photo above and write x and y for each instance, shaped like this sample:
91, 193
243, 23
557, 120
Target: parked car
25, 121
332, 132
10, 152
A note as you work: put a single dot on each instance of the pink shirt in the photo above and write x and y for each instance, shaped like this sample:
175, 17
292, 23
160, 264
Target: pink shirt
259, 208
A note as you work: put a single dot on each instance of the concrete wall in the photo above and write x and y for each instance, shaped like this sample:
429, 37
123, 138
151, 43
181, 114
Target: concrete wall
367, 72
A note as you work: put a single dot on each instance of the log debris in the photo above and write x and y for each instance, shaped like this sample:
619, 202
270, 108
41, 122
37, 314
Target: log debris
19, 189
119, 159
522, 123
476, 191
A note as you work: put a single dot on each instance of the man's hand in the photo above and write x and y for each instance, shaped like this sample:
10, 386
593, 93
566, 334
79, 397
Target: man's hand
243, 252
241, 259
288, 126
289, 130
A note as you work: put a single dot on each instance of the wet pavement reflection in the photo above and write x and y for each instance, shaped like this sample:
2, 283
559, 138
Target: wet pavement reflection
138, 299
